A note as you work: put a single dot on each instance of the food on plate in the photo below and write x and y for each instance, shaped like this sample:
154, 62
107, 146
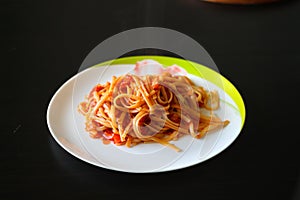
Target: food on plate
134, 109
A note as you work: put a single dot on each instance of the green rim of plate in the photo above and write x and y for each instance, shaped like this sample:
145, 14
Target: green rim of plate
192, 68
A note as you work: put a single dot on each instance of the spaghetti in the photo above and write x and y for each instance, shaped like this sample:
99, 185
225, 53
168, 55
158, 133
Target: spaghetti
133, 109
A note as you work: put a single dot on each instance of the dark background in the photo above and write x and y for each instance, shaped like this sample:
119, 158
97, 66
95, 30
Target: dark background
255, 47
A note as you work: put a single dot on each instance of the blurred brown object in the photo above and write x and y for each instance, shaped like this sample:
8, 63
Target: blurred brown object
242, 1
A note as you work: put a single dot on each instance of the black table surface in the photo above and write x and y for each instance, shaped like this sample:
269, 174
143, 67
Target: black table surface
255, 47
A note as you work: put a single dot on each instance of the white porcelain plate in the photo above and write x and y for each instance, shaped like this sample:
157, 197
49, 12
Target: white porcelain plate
67, 125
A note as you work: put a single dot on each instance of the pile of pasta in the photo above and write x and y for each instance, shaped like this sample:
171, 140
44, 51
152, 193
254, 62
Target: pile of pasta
133, 109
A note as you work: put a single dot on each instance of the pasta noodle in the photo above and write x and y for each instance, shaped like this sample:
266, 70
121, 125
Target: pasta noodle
133, 109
